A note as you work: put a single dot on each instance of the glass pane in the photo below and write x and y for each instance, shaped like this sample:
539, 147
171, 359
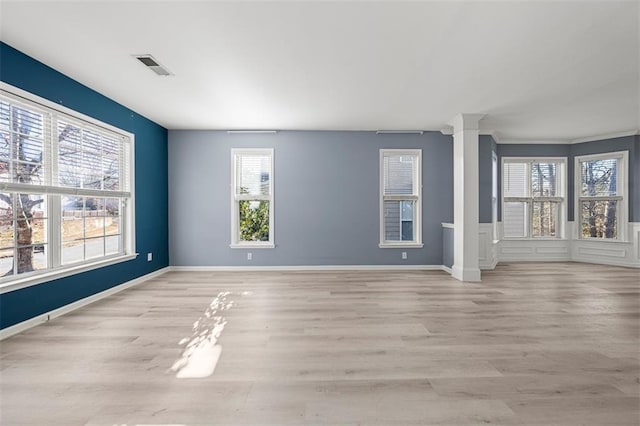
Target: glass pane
72, 251
406, 216
544, 179
515, 218
6, 221
515, 180
398, 174
599, 219
112, 216
34, 231
254, 220
94, 247
398, 220
253, 174
93, 226
6, 262
72, 218
40, 256
113, 244
31, 258
545, 219
599, 177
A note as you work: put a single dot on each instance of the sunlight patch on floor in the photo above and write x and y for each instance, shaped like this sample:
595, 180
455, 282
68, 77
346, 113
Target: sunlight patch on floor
201, 350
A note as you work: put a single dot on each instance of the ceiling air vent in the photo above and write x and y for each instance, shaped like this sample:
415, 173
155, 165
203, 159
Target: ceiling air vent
151, 63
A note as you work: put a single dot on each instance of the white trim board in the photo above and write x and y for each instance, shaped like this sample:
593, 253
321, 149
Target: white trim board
501, 140
307, 268
47, 316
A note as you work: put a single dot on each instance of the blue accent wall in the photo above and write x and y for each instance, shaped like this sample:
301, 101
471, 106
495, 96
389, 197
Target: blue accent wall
628, 143
326, 197
24, 72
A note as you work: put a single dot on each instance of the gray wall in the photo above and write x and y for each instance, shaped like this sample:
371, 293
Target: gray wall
629, 143
326, 198
486, 148
447, 247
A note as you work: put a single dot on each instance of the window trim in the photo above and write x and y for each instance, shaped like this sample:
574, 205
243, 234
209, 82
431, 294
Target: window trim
235, 231
128, 223
622, 211
417, 225
561, 200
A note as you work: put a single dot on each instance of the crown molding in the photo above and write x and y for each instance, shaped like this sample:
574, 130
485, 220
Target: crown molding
606, 136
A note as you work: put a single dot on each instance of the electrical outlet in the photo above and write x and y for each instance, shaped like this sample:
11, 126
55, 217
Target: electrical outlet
249, 256
149, 257
404, 255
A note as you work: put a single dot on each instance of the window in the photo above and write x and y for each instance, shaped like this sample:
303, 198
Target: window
252, 198
401, 199
533, 197
601, 195
65, 197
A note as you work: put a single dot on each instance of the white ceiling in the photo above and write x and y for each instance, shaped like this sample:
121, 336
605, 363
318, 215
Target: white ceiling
539, 70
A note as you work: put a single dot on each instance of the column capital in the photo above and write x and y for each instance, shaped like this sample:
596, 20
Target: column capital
464, 121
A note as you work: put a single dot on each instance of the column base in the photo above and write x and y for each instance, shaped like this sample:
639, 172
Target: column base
465, 274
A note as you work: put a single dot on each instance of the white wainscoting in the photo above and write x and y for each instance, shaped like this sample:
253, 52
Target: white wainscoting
610, 252
488, 247
616, 253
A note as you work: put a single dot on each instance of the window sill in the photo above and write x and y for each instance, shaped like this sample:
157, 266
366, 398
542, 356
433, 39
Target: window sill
400, 245
252, 246
39, 278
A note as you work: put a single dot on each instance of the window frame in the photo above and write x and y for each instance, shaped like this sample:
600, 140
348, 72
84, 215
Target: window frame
560, 200
55, 111
236, 243
622, 183
416, 197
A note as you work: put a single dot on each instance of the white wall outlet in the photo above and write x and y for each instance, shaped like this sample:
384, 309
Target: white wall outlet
149, 257
404, 255
249, 256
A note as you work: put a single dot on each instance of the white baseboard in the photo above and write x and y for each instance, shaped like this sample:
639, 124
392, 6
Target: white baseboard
42, 318
309, 268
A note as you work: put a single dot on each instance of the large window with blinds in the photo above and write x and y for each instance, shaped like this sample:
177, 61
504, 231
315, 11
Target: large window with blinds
601, 195
65, 189
400, 198
533, 197
252, 198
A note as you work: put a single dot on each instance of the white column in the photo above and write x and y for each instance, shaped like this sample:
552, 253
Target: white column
465, 197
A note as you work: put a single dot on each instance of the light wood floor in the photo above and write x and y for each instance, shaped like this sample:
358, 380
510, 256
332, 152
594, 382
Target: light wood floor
532, 344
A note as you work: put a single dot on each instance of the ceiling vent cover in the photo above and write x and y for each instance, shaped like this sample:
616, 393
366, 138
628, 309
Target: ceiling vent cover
151, 63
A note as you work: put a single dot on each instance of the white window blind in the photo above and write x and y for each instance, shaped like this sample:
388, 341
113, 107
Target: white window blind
533, 197
400, 218
252, 198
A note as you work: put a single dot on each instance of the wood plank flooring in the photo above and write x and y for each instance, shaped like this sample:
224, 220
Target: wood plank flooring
534, 344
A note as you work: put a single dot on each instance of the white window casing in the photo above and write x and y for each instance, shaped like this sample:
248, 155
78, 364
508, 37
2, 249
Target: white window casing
400, 198
524, 199
99, 172
612, 190
251, 183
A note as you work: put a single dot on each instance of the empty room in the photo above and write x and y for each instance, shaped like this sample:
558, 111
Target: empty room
319, 213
